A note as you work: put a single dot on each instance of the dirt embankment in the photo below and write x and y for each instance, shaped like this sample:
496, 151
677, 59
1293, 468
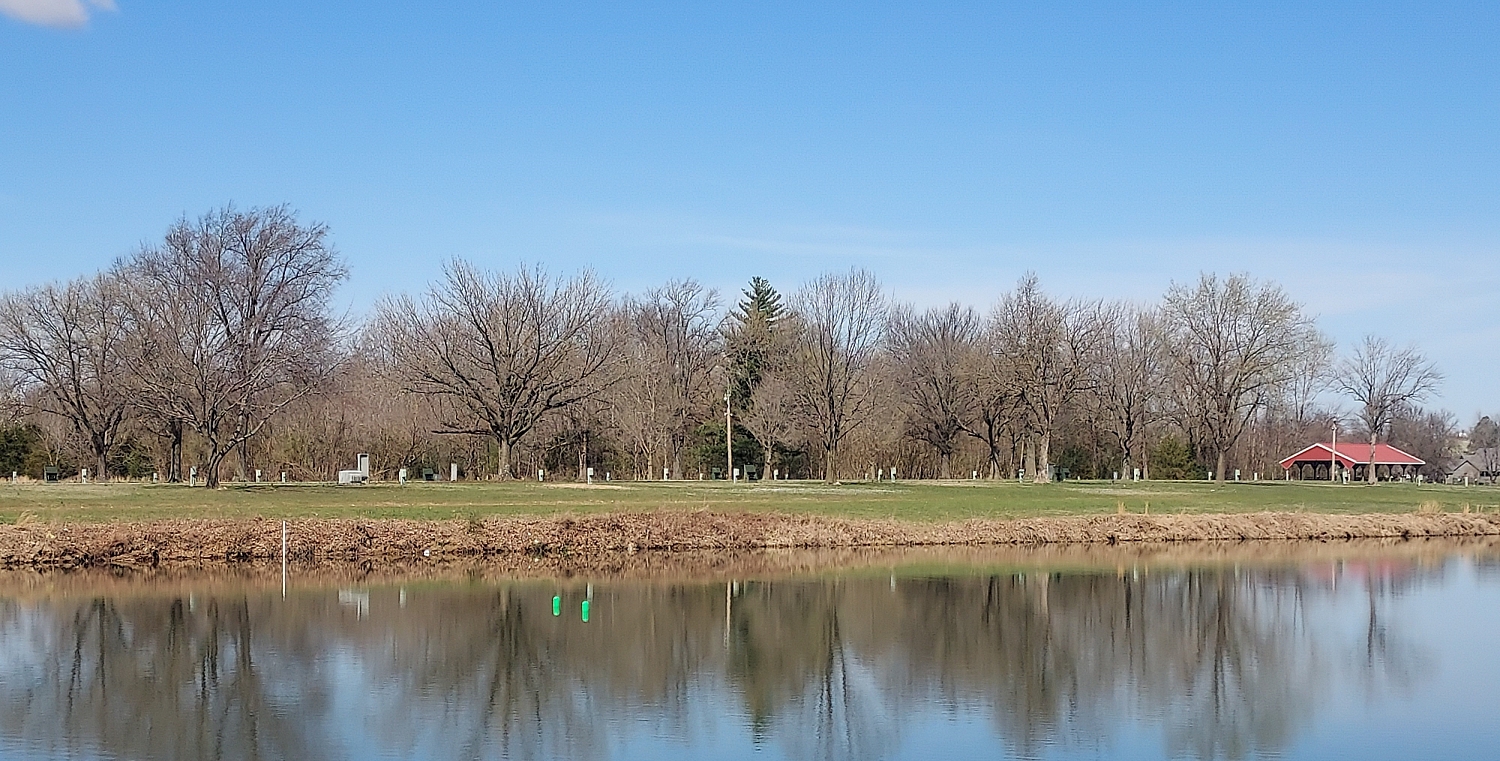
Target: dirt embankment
386, 542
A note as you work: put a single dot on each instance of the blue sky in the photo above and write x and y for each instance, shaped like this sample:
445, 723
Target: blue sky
1347, 150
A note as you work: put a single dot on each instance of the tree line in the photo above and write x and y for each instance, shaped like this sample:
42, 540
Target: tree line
219, 347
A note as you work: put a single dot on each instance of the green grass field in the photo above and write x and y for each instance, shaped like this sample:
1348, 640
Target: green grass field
72, 502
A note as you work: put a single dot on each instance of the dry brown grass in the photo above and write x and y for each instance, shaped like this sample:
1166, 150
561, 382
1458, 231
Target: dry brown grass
382, 542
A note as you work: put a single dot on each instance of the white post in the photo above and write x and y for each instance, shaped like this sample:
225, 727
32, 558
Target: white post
257, 475
283, 476
401, 476
452, 471
776, 474
83, 476
541, 475
590, 475
1333, 458
192, 475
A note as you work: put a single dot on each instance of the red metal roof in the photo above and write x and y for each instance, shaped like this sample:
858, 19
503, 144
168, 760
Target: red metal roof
1351, 454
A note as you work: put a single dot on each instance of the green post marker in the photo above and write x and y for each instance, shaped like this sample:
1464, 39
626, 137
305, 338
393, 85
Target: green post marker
556, 605
585, 611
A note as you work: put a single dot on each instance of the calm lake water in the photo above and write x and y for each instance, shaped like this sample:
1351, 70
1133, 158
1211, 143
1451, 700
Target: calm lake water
1378, 656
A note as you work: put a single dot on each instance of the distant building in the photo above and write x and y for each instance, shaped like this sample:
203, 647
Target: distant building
1481, 466
1313, 463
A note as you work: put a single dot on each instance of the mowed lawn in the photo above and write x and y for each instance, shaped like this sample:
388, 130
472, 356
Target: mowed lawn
911, 500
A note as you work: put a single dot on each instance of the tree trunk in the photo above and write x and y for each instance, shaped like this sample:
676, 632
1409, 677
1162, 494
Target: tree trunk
1219, 470
211, 469
243, 452
504, 470
174, 458
1028, 457
1043, 458
947, 462
1371, 468
765, 466
101, 461
828, 457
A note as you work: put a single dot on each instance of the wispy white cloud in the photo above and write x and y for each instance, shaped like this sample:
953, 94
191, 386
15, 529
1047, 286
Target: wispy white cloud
54, 13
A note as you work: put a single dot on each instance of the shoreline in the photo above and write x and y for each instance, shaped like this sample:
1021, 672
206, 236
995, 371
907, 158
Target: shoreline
610, 539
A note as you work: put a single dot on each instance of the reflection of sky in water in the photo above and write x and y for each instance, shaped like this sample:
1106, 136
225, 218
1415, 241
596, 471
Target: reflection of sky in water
1306, 663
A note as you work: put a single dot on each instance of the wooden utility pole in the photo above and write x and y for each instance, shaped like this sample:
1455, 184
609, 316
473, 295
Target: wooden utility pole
728, 435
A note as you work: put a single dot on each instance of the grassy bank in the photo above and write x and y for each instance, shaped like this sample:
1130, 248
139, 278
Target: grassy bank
908, 501
603, 539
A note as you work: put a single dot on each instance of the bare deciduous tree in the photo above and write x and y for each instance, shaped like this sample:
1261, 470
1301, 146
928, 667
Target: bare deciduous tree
1126, 388
839, 320
931, 353
996, 408
1429, 434
676, 329
1485, 434
504, 350
10, 393
65, 344
1047, 347
1230, 346
231, 323
1384, 380
770, 416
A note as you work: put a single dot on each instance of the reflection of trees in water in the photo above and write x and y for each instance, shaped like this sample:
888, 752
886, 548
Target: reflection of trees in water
795, 656
1227, 662
1061, 658
1386, 660
144, 679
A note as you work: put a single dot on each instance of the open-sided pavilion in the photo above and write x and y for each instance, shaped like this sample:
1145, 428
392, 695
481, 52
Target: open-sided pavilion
1315, 462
